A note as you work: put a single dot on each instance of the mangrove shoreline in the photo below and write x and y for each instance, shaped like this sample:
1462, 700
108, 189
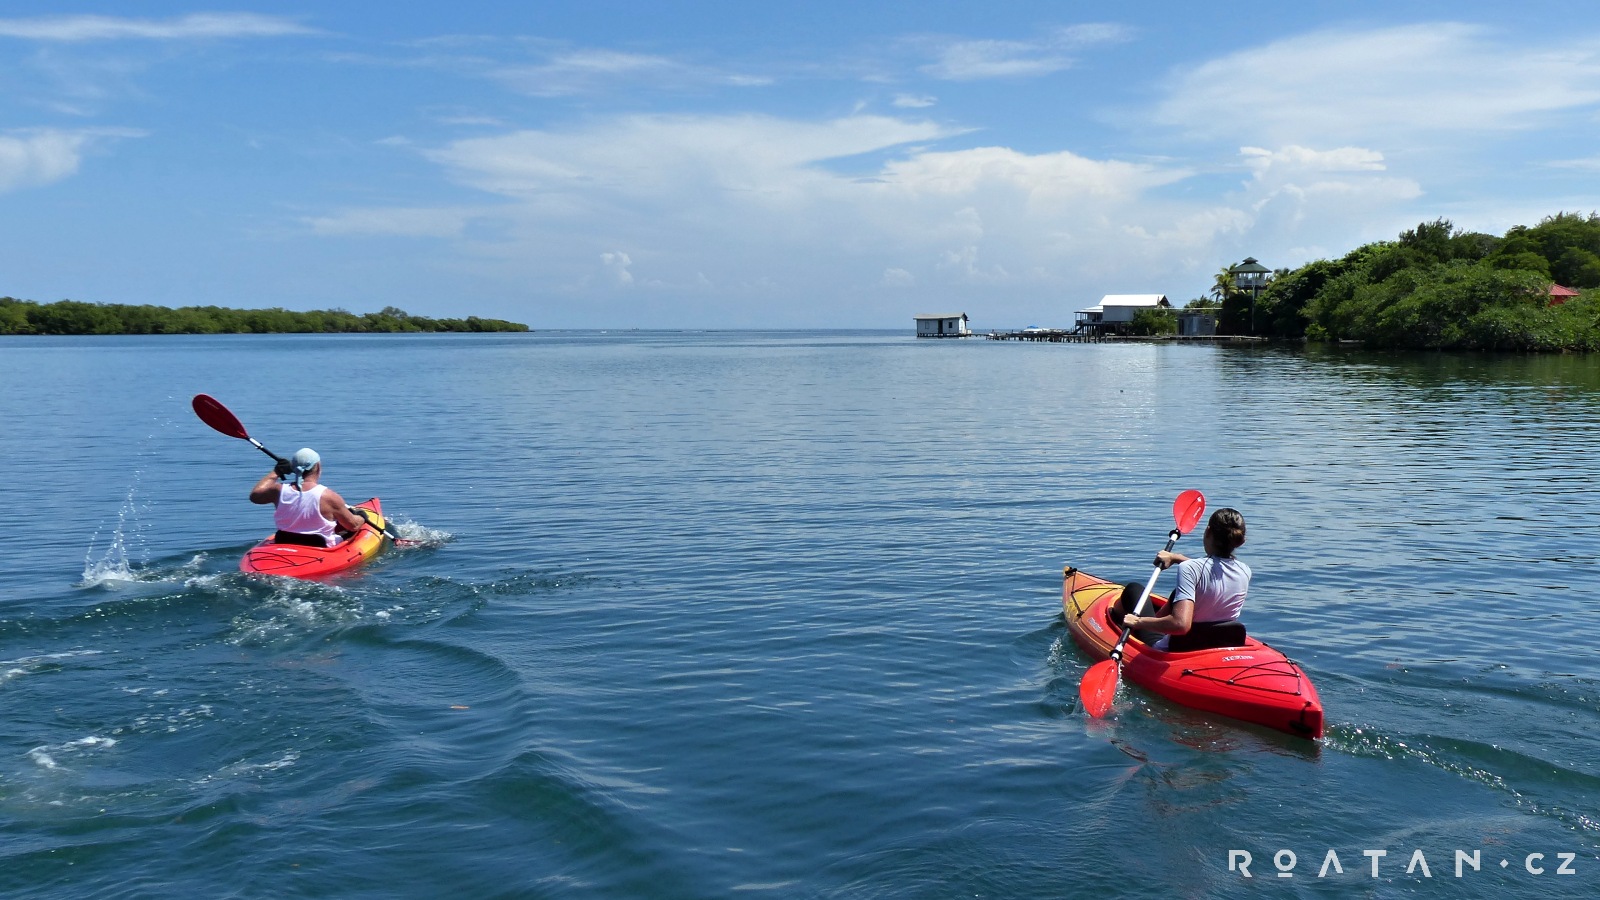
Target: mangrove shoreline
72, 317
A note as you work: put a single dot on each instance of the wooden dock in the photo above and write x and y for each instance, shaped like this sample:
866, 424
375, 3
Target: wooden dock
1046, 335
1063, 336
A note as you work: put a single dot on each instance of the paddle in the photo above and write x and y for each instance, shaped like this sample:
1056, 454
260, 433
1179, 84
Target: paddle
1099, 686
213, 413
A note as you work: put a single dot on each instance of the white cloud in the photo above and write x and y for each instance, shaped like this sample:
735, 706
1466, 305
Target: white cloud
617, 264
1294, 182
915, 101
1385, 86
747, 207
190, 27
756, 200
38, 157
1044, 178
962, 263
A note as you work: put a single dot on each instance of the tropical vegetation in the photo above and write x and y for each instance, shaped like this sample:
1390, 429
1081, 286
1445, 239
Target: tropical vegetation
1153, 322
1438, 287
74, 317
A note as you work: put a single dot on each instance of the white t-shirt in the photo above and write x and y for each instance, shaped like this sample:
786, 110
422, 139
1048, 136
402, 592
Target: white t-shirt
1216, 585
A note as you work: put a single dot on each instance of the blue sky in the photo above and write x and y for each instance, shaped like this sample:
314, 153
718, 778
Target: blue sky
747, 165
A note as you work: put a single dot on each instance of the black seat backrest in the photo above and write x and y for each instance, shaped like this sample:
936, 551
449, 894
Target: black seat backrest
1208, 635
304, 540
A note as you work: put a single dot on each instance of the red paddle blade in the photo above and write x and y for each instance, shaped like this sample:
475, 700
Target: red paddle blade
217, 416
1186, 510
1099, 687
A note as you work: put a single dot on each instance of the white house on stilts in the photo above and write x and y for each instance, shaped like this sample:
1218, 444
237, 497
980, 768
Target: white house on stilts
943, 325
1115, 313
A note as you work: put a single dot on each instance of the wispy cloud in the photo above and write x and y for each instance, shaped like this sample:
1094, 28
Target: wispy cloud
898, 278
587, 71
1588, 164
1342, 159
645, 154
1387, 85
972, 60
198, 26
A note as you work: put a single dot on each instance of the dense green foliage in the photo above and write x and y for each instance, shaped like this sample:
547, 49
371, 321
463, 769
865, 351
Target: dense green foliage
1154, 321
73, 317
1440, 288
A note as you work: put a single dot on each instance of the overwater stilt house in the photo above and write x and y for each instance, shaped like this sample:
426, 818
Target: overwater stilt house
943, 325
1115, 313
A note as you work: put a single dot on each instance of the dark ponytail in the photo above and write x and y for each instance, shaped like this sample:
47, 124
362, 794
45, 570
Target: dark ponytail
1226, 529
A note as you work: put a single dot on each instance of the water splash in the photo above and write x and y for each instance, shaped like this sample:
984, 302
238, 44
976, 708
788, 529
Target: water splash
115, 567
418, 536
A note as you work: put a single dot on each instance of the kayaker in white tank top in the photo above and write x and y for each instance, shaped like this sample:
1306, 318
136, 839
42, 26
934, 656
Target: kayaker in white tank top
307, 506
300, 511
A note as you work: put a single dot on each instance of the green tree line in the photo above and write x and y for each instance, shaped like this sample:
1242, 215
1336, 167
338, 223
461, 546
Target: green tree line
74, 317
1438, 287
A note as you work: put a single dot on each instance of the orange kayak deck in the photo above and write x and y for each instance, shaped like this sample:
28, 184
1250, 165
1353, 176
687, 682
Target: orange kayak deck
300, 561
1252, 682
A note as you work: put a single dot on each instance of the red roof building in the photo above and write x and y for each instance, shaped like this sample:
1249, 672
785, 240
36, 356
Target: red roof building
1560, 295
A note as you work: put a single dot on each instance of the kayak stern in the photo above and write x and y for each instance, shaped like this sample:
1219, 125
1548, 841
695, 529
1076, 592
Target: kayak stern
300, 561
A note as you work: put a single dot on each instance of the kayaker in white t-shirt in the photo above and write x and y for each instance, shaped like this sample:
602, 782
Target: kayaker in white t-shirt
305, 508
1210, 592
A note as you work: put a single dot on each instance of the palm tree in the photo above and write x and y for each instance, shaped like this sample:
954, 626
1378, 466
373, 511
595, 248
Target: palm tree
1226, 286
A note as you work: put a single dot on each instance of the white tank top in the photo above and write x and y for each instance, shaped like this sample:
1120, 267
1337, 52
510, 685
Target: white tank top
301, 512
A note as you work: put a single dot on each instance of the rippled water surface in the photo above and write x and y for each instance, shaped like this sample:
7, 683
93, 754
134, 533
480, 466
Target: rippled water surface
778, 614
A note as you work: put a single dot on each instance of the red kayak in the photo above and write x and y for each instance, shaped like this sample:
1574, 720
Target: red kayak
301, 561
1251, 682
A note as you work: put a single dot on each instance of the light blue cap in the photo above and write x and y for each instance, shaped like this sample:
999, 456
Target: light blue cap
304, 460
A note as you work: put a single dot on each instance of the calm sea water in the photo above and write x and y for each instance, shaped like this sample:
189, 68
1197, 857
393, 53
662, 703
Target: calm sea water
778, 614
